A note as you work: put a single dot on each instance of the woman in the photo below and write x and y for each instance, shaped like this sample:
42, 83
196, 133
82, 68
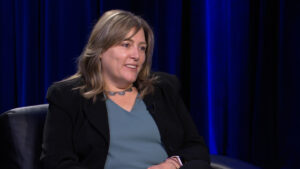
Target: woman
114, 114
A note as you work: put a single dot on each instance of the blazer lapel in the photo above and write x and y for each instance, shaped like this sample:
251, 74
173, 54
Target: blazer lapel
154, 109
96, 113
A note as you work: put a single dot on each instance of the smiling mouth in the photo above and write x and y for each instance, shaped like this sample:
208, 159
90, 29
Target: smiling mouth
131, 66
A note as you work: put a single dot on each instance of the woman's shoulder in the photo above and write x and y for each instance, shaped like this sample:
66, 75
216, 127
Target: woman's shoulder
67, 83
68, 88
166, 81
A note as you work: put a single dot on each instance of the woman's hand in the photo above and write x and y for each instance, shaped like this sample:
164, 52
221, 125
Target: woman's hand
169, 163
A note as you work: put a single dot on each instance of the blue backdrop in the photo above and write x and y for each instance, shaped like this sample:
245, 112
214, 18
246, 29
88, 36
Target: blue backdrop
238, 61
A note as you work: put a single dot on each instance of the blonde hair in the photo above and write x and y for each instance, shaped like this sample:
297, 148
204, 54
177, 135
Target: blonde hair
111, 29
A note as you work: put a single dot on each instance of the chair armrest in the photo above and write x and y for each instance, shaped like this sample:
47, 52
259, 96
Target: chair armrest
223, 162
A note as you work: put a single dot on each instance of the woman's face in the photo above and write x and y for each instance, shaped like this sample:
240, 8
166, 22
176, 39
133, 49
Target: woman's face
122, 62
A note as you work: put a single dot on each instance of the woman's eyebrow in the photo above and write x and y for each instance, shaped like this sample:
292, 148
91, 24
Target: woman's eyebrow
127, 39
143, 43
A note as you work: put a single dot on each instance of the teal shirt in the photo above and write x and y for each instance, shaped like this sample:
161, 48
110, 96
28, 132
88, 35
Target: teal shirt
134, 138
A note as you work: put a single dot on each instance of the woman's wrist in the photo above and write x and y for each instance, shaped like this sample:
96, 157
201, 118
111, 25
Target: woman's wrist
179, 160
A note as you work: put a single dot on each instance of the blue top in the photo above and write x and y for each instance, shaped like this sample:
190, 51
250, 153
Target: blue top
134, 138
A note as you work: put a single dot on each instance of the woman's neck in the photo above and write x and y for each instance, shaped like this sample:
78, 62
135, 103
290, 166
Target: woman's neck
118, 87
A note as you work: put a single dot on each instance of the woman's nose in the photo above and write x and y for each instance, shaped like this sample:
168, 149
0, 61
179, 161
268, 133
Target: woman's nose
135, 54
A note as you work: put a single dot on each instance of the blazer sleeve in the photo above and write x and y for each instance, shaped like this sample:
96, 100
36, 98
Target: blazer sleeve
193, 147
57, 148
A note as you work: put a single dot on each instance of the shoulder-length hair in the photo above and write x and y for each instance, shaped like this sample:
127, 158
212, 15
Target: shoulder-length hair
111, 29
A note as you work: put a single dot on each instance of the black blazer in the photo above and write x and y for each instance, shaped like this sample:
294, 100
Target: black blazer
76, 133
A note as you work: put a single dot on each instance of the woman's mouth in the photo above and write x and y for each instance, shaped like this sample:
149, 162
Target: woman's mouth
131, 66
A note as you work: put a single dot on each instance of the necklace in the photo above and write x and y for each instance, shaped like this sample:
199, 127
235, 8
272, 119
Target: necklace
121, 93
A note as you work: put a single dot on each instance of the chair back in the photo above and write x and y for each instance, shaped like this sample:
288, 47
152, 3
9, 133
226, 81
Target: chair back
21, 131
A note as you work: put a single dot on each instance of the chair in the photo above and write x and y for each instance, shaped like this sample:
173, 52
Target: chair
21, 137
21, 131
223, 162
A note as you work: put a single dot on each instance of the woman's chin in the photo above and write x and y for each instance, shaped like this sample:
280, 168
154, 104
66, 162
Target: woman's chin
130, 78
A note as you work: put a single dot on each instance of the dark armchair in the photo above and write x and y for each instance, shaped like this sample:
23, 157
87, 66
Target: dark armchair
21, 132
21, 137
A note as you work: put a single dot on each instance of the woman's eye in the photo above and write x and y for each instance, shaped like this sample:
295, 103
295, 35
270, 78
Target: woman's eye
126, 45
143, 48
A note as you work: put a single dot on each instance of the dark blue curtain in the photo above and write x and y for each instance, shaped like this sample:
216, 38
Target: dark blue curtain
238, 62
